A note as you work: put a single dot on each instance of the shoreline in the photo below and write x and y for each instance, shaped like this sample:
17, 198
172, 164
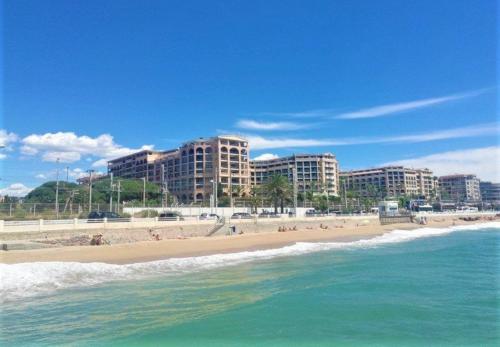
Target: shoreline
145, 251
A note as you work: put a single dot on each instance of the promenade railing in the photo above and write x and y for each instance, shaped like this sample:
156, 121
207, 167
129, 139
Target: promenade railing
43, 225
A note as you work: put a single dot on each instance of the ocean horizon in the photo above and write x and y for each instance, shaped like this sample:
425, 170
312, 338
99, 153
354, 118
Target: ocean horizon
426, 286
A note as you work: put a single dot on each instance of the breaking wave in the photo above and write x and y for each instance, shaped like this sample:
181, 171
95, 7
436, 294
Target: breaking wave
30, 279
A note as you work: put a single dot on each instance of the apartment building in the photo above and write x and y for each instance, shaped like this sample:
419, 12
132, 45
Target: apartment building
85, 180
390, 181
460, 187
490, 192
310, 172
136, 165
188, 171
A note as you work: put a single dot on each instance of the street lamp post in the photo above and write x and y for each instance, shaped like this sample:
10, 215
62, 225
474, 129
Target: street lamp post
118, 197
212, 199
294, 180
111, 193
90, 189
143, 191
163, 185
57, 190
216, 198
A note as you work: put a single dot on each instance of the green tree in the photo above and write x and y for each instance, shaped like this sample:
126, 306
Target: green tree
320, 202
46, 193
131, 191
255, 198
278, 189
237, 191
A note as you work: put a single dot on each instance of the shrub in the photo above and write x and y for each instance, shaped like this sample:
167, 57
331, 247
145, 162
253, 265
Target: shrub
146, 214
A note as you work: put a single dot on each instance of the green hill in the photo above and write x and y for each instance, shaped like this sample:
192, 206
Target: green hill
131, 191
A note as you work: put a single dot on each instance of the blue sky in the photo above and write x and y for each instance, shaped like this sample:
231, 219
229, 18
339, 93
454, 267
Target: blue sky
374, 82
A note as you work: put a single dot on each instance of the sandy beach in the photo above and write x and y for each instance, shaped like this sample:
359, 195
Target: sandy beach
269, 237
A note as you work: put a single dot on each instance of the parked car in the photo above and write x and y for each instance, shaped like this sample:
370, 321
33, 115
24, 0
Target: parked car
166, 216
96, 216
241, 215
311, 213
267, 214
208, 216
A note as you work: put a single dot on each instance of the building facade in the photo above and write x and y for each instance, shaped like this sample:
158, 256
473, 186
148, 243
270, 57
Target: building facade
390, 181
310, 172
189, 171
460, 188
136, 165
85, 180
490, 193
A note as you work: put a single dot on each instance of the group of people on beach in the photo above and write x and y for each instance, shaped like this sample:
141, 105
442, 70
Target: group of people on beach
98, 240
155, 237
282, 229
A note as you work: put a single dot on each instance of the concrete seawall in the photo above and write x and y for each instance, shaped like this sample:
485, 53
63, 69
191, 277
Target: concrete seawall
169, 229
141, 231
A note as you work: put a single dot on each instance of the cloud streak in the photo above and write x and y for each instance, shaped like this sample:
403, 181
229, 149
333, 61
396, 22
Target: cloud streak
481, 161
470, 131
260, 142
249, 124
385, 110
304, 114
380, 110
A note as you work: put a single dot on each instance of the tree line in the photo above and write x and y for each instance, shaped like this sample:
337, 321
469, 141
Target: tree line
276, 192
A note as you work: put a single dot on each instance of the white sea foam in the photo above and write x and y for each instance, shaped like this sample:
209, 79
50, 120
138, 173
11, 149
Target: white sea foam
29, 279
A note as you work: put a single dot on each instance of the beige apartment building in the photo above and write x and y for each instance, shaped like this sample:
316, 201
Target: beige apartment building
463, 188
310, 172
137, 165
189, 171
390, 181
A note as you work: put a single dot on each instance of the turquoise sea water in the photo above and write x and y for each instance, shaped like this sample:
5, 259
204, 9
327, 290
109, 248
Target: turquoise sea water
440, 290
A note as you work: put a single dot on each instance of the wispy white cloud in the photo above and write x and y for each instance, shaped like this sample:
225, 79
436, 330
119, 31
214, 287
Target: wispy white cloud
380, 110
266, 156
316, 113
77, 173
71, 173
69, 147
260, 142
384, 110
249, 124
63, 157
6, 141
7, 138
470, 131
16, 190
480, 161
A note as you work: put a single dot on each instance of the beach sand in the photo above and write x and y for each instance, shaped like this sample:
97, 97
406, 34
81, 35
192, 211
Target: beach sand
141, 251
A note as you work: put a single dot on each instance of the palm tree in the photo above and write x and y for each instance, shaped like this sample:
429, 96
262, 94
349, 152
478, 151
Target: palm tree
373, 194
278, 189
255, 198
310, 196
237, 191
351, 196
